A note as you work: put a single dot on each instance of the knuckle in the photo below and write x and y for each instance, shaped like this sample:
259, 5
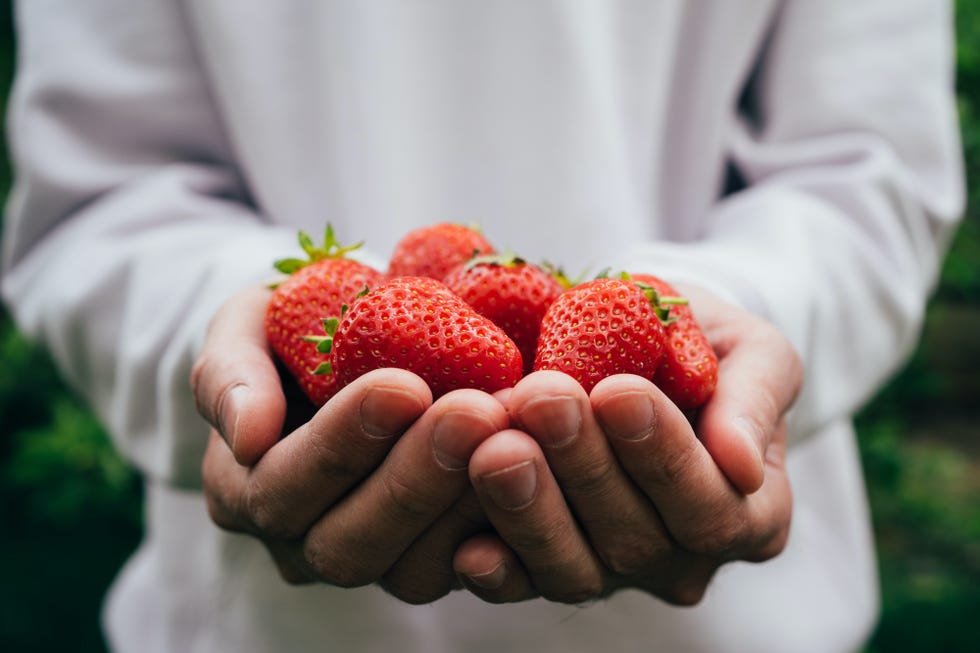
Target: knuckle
631, 557
331, 464
776, 546
404, 501
290, 573
542, 541
593, 479
414, 593
582, 591
325, 563
263, 507
469, 513
293, 577
218, 496
772, 547
219, 513
686, 593
722, 539
675, 465
719, 532
685, 581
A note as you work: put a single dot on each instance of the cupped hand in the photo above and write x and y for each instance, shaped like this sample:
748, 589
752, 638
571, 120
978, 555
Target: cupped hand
590, 494
372, 488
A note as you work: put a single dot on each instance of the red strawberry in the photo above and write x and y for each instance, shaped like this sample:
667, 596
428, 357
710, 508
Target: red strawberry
435, 250
315, 289
599, 328
689, 371
417, 324
512, 293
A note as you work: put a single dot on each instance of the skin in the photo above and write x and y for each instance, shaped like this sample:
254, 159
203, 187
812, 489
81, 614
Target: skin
540, 490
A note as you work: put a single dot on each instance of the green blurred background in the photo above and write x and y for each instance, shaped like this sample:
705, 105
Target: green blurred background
70, 511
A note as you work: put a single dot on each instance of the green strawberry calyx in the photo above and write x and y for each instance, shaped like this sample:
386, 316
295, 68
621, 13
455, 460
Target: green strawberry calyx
330, 249
661, 303
558, 274
324, 343
505, 259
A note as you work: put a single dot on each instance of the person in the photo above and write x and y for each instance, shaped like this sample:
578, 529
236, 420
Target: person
793, 166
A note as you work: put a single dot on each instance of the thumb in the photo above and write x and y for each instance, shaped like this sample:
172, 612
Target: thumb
235, 381
759, 377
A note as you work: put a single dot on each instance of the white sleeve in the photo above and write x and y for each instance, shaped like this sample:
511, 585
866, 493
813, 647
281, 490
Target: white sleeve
128, 223
849, 148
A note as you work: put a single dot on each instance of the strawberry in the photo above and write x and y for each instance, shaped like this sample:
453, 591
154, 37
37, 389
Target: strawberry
599, 328
689, 371
316, 288
512, 293
435, 250
418, 324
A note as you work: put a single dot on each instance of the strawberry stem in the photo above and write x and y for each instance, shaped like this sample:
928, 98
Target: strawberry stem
330, 249
505, 259
558, 274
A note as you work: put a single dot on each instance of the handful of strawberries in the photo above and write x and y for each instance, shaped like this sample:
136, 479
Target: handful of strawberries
461, 316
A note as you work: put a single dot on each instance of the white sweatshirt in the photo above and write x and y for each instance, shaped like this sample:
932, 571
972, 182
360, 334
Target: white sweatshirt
800, 157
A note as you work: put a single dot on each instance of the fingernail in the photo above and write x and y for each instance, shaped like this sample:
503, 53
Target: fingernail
491, 580
554, 421
384, 411
754, 437
231, 411
450, 444
512, 487
629, 416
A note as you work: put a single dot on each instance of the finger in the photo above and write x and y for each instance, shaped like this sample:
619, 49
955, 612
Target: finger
771, 508
347, 439
235, 381
622, 524
655, 443
285, 560
224, 480
422, 577
424, 572
358, 540
224, 483
503, 396
759, 378
488, 568
526, 507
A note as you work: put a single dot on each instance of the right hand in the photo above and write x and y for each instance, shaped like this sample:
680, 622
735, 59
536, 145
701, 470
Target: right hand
372, 488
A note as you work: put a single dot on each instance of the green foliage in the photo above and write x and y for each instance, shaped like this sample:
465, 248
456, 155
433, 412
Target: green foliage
71, 508
25, 370
50, 438
961, 272
919, 441
66, 468
927, 522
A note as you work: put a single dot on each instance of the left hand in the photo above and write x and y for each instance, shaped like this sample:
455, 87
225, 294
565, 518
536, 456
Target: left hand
590, 494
